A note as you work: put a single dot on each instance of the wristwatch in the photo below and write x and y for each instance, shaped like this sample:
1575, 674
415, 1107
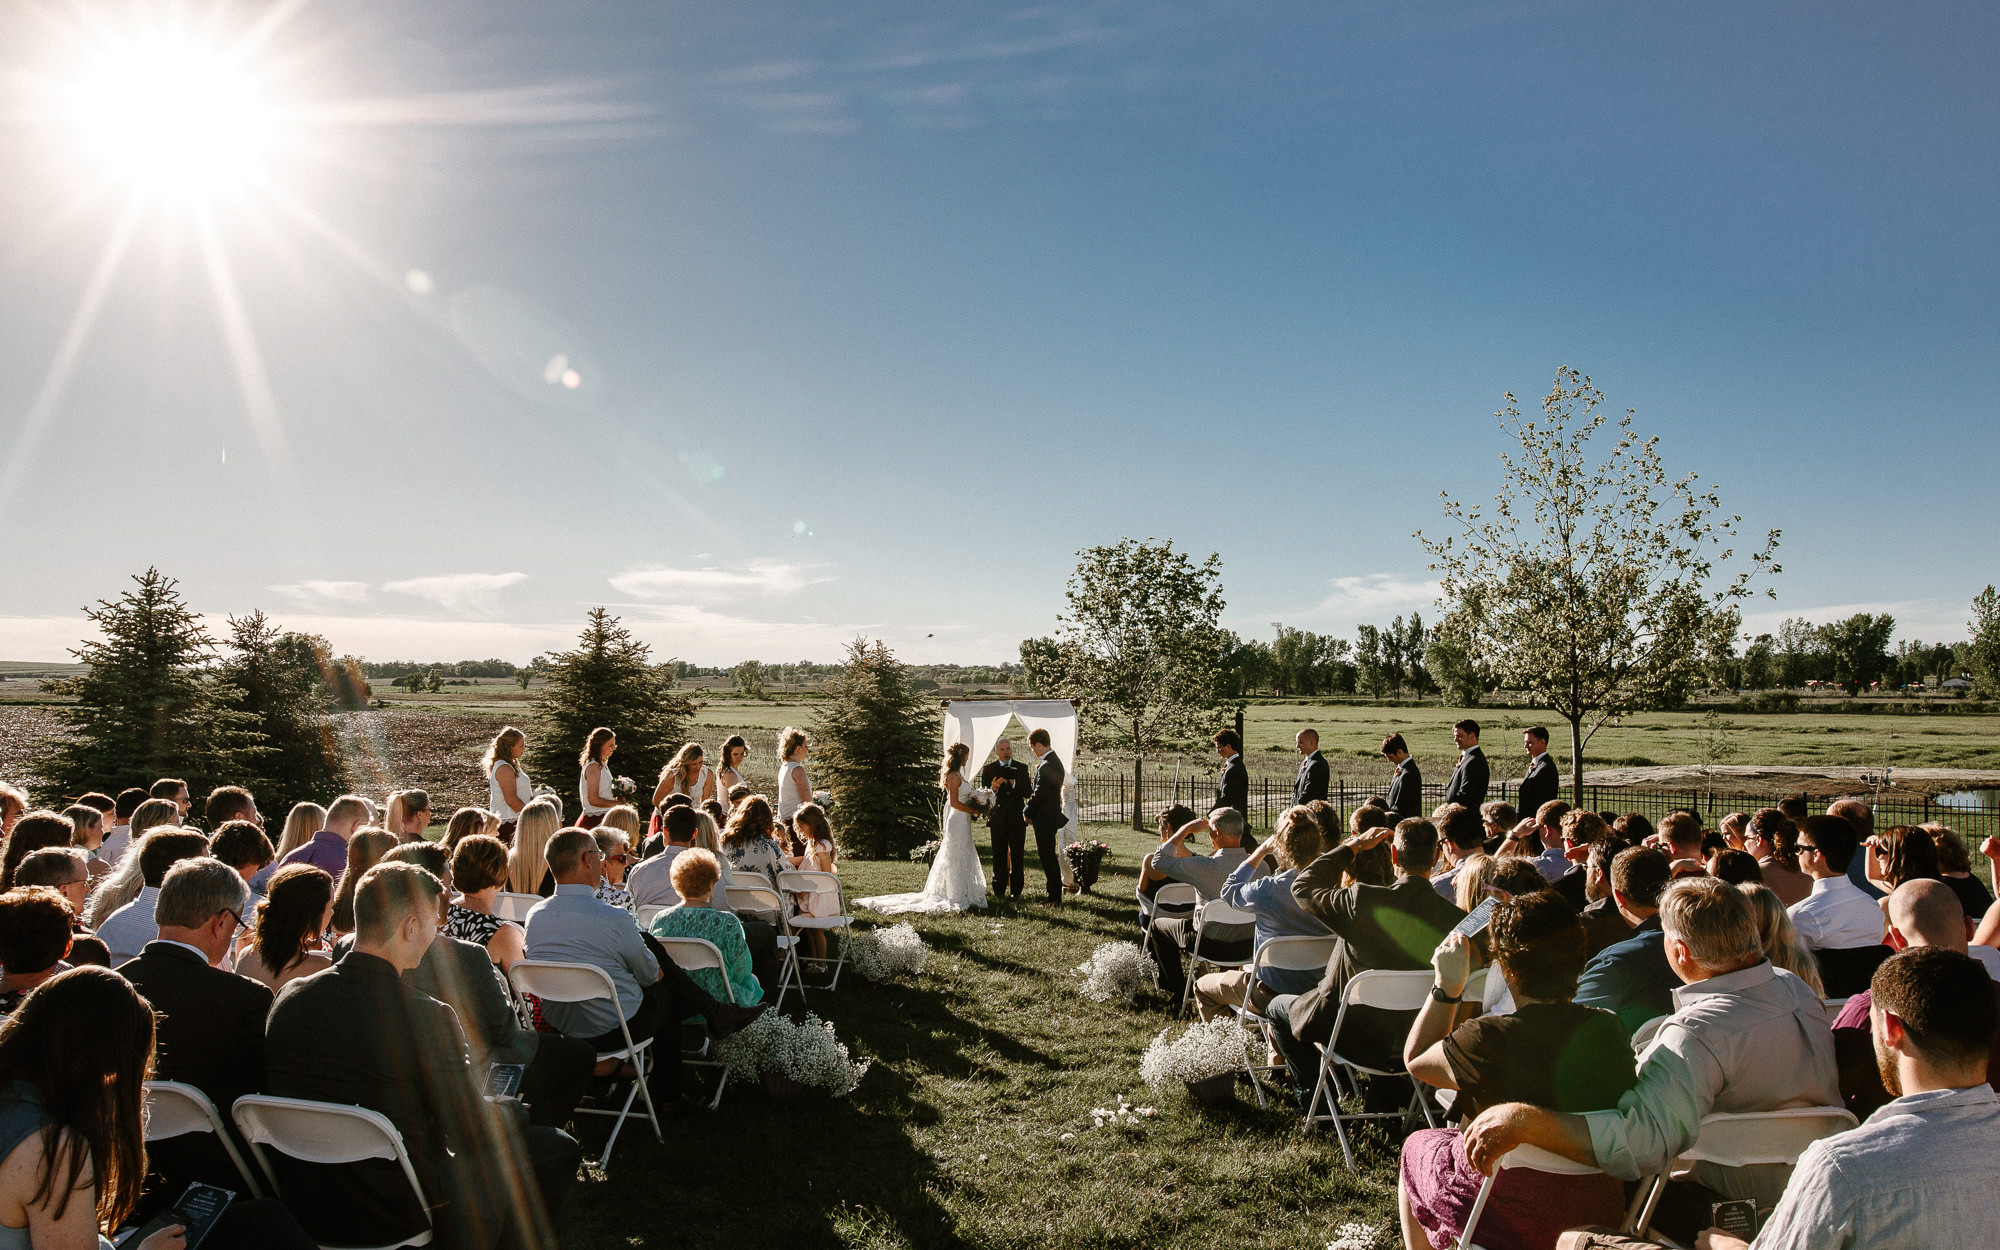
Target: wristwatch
1439, 996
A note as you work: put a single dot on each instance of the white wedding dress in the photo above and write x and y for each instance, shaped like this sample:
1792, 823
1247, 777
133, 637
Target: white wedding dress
957, 881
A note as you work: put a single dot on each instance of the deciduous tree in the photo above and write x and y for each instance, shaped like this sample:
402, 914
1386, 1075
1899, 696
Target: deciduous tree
1982, 653
1859, 648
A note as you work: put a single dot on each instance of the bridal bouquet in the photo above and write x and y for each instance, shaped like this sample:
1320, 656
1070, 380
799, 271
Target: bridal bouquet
979, 799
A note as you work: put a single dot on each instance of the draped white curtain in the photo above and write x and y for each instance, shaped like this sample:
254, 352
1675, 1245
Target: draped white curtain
978, 723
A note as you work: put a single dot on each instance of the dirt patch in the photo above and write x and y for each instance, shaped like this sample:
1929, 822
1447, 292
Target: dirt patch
27, 736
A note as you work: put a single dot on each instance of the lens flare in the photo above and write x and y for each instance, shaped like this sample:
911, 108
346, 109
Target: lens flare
174, 116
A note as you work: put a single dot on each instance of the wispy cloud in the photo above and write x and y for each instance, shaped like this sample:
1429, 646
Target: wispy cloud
458, 592
309, 593
1361, 598
717, 583
1931, 620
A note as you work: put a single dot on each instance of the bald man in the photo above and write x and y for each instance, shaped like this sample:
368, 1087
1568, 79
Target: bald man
1921, 913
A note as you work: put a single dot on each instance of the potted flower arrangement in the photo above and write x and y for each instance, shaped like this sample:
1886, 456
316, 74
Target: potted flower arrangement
1085, 858
1206, 1058
1117, 970
789, 1058
883, 954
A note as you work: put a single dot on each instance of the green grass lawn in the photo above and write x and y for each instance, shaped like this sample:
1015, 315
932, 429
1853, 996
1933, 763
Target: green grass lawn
980, 1065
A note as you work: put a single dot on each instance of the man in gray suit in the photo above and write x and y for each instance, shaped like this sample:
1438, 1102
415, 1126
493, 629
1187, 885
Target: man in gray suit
1468, 780
1540, 785
1045, 810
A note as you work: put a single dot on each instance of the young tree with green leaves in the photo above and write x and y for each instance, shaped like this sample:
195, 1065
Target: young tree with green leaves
1599, 588
152, 703
876, 749
609, 679
1982, 650
279, 680
1859, 648
749, 676
1141, 650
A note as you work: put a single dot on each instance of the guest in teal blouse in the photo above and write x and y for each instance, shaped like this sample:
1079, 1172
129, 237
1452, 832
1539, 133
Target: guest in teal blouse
695, 873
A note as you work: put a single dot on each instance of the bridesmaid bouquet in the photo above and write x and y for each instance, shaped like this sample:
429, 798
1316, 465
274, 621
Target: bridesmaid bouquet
624, 787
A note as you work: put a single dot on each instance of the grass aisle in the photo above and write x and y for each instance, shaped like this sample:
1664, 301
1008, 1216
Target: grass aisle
981, 1063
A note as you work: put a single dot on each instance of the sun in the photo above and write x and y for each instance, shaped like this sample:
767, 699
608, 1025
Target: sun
174, 117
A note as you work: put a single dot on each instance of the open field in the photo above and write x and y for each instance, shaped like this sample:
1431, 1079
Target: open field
953, 1139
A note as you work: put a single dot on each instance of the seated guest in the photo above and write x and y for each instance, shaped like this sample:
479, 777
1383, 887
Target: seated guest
1680, 837
64, 870
359, 1034
1394, 926
1901, 853
654, 995
34, 941
1780, 941
1633, 827
1373, 865
479, 872
243, 846
695, 875
118, 835
1837, 921
1733, 828
1580, 831
1537, 943
227, 803
652, 882
211, 1030
465, 822
527, 858
1548, 832
1460, 836
1921, 1172
556, 1069
365, 849
1774, 840
91, 823
748, 841
126, 931
326, 850
75, 1164
1744, 1036
1861, 818
1735, 867
287, 937
301, 823
1498, 818
1169, 935
1633, 978
124, 882
1921, 913
1955, 870
1294, 843
32, 832
656, 841
1603, 924
1513, 876
13, 805
617, 848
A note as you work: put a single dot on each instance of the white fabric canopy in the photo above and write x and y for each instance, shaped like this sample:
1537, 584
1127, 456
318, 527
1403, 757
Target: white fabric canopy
978, 723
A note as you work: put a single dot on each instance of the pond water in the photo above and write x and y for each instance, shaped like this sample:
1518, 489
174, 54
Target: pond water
1979, 800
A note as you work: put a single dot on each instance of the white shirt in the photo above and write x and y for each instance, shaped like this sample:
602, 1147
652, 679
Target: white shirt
115, 843
652, 883
1836, 915
127, 930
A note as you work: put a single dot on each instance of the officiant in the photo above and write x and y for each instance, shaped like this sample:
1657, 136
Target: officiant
1010, 781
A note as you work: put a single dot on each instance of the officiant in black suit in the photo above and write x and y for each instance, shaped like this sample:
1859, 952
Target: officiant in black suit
1540, 785
1469, 780
1312, 769
1232, 785
1010, 781
1045, 810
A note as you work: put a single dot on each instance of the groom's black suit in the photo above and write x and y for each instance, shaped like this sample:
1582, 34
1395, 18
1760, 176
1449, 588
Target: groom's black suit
1010, 781
1045, 812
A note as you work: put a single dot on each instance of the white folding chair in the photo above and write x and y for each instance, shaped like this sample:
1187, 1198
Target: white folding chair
1209, 916
514, 907
804, 881
754, 895
327, 1132
1177, 895
1741, 1139
1534, 1159
1833, 1008
1388, 991
689, 954
644, 915
175, 1110
584, 983
1292, 954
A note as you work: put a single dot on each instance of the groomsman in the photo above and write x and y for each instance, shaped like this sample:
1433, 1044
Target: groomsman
1540, 785
1010, 782
1312, 769
1232, 785
1468, 780
1406, 788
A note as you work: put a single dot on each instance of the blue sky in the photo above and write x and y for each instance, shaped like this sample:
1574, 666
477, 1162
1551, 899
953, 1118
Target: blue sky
879, 312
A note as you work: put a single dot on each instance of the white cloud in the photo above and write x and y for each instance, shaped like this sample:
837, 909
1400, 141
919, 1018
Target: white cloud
1932, 620
44, 639
458, 592
1370, 595
717, 584
315, 592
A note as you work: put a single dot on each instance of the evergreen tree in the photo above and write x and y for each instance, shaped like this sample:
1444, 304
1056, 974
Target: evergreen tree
151, 704
280, 679
610, 680
875, 746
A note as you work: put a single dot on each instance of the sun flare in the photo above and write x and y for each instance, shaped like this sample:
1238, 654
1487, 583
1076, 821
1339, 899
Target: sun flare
174, 116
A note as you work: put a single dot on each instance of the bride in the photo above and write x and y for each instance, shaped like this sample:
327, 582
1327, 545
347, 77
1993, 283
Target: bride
957, 881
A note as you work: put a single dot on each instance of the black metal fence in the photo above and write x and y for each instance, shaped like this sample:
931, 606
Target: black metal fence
1110, 798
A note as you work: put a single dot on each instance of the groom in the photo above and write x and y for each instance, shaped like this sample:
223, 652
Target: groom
1045, 809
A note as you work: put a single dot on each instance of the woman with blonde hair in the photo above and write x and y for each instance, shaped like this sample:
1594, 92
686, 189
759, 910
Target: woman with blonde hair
125, 881
1475, 873
301, 823
596, 787
508, 789
364, 850
687, 774
409, 815
1781, 941
528, 861
794, 787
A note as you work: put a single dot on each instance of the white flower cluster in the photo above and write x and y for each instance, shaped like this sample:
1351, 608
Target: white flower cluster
1211, 1048
880, 954
1352, 1237
1123, 1113
1117, 970
624, 785
807, 1052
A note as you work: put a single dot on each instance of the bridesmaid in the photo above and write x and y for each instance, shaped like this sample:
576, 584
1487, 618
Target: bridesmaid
729, 774
684, 774
594, 788
508, 789
794, 787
